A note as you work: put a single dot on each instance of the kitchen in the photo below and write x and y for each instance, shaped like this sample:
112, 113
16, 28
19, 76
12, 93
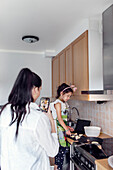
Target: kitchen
26, 55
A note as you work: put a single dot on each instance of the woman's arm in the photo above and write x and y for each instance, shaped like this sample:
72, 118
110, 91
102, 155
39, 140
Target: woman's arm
58, 111
46, 138
53, 130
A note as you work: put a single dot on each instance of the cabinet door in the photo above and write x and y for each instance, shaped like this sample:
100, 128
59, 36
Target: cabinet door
55, 75
80, 62
69, 65
62, 67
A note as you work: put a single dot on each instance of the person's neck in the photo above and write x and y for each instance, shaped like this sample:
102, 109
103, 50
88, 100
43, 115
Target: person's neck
61, 99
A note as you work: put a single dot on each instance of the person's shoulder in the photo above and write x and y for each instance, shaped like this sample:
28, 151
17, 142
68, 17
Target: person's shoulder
5, 116
32, 117
6, 109
36, 111
57, 101
58, 105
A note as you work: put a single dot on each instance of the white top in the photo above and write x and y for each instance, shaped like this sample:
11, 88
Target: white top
35, 142
64, 106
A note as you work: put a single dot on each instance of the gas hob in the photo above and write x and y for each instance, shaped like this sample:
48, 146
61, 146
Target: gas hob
84, 156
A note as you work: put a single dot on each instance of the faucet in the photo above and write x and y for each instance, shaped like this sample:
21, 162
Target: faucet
76, 111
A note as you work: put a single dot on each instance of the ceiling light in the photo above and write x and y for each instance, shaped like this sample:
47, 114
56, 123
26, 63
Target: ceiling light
30, 39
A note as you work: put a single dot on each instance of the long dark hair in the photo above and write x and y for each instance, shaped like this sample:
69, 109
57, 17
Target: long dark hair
21, 95
63, 88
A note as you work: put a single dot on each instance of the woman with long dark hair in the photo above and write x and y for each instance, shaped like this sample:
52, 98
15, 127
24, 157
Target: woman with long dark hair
28, 136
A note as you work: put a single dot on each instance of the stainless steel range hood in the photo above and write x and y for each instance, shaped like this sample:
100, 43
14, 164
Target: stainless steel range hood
99, 95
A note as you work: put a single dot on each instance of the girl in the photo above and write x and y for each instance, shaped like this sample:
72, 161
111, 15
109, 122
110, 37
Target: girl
28, 136
59, 108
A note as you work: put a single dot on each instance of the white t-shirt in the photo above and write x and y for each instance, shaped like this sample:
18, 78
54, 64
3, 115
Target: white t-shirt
64, 106
35, 142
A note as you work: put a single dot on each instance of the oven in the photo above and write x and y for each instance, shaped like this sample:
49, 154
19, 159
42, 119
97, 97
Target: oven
80, 160
82, 157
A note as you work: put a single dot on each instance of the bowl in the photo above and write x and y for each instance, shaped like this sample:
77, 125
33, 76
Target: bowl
92, 131
110, 161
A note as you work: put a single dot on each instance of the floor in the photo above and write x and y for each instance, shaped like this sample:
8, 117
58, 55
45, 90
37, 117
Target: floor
66, 164
66, 167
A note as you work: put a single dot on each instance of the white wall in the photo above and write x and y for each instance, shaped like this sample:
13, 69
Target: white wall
95, 54
12, 63
72, 34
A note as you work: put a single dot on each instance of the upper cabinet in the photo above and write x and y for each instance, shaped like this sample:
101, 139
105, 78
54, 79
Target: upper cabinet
62, 67
69, 65
72, 65
80, 63
55, 75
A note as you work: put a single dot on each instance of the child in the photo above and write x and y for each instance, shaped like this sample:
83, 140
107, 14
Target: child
59, 107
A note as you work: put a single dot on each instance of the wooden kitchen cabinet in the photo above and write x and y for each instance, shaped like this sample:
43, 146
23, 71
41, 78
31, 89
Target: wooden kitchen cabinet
66, 66
62, 65
62, 69
58, 71
80, 63
55, 75
69, 65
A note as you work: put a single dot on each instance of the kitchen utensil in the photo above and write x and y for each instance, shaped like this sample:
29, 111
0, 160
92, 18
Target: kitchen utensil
89, 140
100, 147
92, 131
110, 161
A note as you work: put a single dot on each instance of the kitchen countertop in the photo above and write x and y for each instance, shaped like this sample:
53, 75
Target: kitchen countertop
102, 135
102, 164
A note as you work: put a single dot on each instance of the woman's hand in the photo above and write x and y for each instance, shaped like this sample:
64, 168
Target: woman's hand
49, 114
68, 132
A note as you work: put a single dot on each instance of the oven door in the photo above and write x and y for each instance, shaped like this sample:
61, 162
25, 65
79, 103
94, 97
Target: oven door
77, 164
76, 160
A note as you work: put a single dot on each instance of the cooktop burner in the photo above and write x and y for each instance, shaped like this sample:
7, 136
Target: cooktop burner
94, 151
84, 154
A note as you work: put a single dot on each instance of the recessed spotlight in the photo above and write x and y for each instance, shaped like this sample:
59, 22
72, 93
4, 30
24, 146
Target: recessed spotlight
30, 38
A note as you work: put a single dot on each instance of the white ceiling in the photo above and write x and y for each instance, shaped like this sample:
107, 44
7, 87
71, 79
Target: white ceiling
50, 20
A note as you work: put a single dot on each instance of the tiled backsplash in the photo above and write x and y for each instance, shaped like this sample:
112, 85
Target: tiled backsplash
99, 114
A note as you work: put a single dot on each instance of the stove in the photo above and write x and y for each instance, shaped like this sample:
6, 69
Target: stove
84, 156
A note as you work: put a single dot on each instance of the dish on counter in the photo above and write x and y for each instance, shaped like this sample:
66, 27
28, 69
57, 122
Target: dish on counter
110, 161
92, 131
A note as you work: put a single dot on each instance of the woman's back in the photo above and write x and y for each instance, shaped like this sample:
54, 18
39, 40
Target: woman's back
31, 149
